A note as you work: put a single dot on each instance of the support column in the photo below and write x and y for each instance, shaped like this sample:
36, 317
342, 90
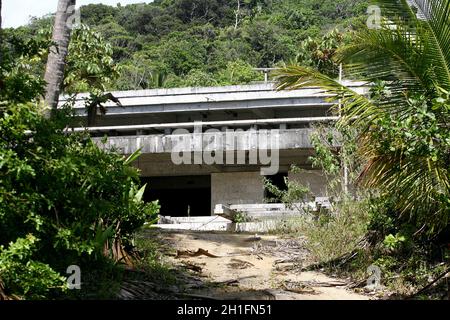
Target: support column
236, 188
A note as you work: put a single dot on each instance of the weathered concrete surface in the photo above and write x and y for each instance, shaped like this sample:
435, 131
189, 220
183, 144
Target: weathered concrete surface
314, 179
216, 223
204, 220
257, 101
210, 98
218, 141
260, 210
161, 165
259, 227
236, 188
195, 226
212, 223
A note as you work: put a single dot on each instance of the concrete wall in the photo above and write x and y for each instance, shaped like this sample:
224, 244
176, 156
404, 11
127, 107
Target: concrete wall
290, 139
314, 179
236, 188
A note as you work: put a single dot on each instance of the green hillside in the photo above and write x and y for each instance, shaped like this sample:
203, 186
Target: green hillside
176, 43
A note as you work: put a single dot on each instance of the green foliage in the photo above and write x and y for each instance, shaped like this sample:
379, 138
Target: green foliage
199, 78
332, 235
401, 131
94, 14
20, 55
179, 54
152, 260
90, 66
241, 217
294, 193
238, 72
336, 155
402, 125
64, 190
392, 242
405, 272
319, 53
340, 233
140, 73
63, 200
24, 276
124, 45
326, 157
421, 136
269, 42
177, 37
47, 162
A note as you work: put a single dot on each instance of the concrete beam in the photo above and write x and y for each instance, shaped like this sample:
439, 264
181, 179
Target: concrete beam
217, 141
210, 99
212, 124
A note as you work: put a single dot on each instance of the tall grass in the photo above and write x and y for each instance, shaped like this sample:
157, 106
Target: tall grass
330, 234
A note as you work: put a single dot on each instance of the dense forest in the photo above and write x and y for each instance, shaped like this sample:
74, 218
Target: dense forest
176, 43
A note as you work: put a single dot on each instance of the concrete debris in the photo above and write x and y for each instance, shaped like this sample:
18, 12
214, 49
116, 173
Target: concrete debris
261, 218
271, 210
210, 223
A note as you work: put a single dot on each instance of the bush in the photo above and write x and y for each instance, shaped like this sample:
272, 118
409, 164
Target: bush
24, 276
64, 190
332, 235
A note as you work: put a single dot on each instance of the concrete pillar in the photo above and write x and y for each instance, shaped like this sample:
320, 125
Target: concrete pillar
314, 179
236, 188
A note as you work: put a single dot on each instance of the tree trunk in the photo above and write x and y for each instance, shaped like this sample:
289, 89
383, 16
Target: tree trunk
238, 13
54, 73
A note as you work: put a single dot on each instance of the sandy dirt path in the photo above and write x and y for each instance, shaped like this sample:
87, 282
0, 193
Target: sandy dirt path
254, 267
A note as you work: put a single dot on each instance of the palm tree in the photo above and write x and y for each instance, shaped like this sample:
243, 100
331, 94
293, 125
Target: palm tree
409, 58
54, 73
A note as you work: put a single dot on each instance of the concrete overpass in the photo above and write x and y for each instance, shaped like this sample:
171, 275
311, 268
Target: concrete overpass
207, 127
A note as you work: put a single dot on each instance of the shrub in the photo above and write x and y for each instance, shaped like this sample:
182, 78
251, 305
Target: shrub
24, 276
332, 235
64, 190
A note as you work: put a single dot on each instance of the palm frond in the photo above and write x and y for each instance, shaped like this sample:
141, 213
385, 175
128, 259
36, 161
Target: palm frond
419, 185
402, 9
437, 25
428, 20
388, 55
410, 55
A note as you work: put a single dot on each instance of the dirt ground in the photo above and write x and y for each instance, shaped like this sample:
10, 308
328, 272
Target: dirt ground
246, 267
